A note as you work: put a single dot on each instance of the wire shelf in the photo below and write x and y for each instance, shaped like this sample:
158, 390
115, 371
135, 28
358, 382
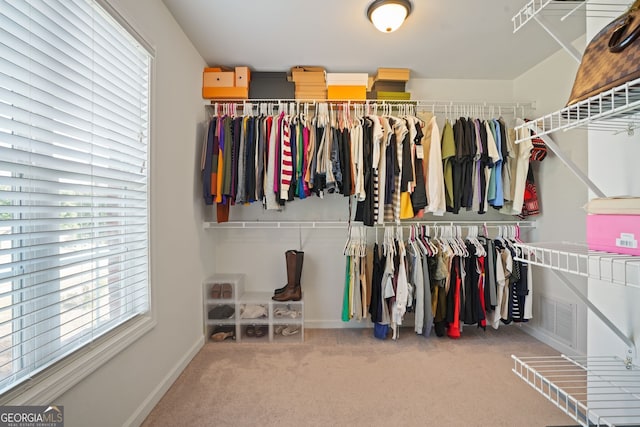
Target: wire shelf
447, 107
616, 110
566, 9
577, 259
344, 224
601, 391
278, 224
528, 12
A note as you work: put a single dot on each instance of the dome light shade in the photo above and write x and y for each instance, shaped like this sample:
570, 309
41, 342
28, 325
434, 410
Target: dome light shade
388, 15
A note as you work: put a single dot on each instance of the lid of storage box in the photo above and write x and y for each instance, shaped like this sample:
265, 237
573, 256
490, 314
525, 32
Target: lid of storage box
307, 68
401, 74
256, 75
347, 79
619, 205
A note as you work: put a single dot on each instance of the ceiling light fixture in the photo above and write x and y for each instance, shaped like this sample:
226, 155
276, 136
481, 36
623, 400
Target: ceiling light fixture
388, 15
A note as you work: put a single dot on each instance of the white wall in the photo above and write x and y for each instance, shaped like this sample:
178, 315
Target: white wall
122, 391
461, 90
562, 194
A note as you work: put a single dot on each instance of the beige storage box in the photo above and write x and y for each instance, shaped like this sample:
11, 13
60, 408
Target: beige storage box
242, 76
397, 74
215, 77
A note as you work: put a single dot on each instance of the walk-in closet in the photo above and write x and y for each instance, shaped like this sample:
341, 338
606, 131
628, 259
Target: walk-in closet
303, 214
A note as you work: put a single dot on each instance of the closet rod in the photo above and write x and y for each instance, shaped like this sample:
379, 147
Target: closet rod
423, 103
488, 224
345, 224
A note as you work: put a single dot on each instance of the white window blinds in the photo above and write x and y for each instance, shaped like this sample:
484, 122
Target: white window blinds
74, 129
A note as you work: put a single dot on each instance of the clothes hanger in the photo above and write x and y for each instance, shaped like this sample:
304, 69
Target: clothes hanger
452, 242
423, 240
412, 241
480, 251
347, 244
386, 247
461, 243
431, 245
445, 245
421, 247
517, 232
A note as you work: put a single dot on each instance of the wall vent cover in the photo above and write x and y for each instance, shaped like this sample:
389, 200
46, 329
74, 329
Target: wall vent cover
559, 319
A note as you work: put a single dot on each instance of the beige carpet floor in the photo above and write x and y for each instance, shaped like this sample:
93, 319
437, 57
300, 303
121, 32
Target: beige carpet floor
345, 377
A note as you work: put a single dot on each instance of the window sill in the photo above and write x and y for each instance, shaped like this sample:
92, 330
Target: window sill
47, 386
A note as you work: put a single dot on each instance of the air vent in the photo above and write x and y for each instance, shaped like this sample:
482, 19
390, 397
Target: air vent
559, 319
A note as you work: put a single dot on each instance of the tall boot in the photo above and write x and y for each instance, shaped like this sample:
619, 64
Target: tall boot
292, 290
286, 256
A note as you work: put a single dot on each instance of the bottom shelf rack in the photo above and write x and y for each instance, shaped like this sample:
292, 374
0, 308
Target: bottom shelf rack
594, 391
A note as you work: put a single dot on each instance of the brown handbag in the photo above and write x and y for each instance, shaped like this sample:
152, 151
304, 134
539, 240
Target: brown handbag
611, 58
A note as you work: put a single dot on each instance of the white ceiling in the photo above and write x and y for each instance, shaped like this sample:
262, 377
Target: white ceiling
457, 39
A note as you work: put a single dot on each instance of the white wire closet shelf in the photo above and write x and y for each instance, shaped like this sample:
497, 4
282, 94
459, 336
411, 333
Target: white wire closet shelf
593, 391
565, 9
517, 109
577, 259
616, 110
277, 224
344, 224
552, 17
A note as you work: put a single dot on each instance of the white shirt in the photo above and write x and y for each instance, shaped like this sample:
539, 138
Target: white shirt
434, 174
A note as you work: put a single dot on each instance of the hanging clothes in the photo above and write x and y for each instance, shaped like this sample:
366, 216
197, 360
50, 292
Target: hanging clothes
395, 167
448, 155
433, 168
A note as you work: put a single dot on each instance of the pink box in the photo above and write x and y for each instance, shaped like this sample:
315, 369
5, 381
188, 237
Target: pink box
614, 233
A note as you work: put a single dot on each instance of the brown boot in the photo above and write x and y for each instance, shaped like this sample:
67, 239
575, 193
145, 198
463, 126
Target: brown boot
286, 254
292, 291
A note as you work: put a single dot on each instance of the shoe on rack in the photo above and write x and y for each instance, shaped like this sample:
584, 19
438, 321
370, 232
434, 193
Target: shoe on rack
253, 311
216, 290
287, 255
261, 330
284, 312
223, 311
221, 333
290, 330
226, 291
292, 291
250, 331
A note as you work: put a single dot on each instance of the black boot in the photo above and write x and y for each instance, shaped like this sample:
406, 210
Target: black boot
292, 291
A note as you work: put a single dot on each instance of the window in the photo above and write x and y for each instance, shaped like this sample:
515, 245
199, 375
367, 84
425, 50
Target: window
74, 131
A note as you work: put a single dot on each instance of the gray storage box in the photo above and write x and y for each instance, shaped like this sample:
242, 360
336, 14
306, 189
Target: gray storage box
271, 85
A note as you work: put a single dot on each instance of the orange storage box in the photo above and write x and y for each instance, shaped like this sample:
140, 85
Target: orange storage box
225, 92
347, 92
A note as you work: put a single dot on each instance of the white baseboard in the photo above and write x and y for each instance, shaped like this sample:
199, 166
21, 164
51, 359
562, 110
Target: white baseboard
154, 397
336, 324
547, 339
